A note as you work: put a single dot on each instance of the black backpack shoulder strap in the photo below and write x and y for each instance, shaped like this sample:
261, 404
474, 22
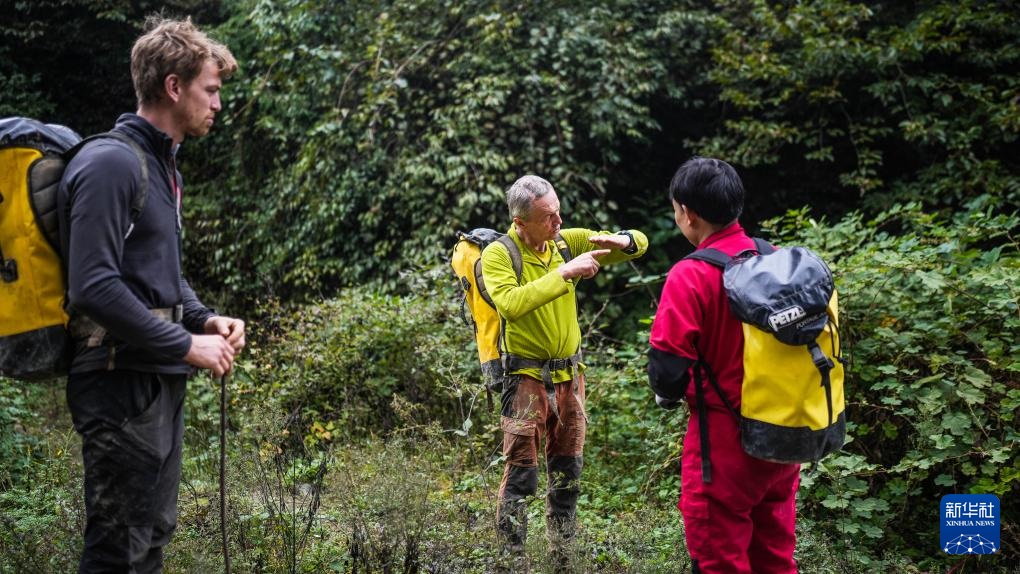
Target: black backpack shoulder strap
763, 247
138, 201
709, 255
701, 368
563, 247
515, 255
720, 259
515, 261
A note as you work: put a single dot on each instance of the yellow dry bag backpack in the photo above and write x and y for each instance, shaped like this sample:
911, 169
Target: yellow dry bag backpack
791, 401
34, 341
467, 265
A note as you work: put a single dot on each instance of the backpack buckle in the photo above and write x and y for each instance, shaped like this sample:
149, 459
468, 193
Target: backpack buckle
823, 363
9, 271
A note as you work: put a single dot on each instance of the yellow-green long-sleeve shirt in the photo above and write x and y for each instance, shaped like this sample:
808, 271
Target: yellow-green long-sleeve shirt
540, 313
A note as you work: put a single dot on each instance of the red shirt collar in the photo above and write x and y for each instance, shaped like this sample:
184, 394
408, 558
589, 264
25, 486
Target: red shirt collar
724, 233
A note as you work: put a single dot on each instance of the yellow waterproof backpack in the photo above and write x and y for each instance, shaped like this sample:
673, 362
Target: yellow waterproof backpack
33, 319
467, 265
791, 403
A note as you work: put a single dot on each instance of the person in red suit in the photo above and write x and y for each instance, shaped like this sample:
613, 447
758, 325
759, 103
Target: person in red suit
738, 511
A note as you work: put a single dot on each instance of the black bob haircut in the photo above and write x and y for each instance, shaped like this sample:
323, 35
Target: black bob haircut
711, 187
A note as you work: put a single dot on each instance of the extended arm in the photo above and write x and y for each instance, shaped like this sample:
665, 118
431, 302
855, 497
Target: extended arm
512, 300
623, 245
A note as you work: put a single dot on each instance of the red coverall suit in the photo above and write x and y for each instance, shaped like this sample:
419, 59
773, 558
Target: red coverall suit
743, 520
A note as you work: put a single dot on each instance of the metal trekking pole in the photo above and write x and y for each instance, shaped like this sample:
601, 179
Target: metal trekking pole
224, 380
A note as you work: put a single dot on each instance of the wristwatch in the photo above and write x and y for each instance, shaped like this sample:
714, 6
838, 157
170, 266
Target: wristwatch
632, 248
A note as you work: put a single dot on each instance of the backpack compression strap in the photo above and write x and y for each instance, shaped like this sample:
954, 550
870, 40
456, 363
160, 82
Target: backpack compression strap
825, 366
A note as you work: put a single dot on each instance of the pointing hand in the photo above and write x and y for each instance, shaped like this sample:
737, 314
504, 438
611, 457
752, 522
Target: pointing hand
585, 265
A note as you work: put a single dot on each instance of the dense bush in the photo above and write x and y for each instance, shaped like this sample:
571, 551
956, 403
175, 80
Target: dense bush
42, 514
359, 135
16, 445
887, 101
46, 73
364, 133
332, 369
931, 318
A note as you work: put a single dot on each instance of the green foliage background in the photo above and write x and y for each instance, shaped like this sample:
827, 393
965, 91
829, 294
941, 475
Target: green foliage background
359, 135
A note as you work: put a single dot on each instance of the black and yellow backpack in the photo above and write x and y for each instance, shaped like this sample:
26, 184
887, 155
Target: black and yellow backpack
791, 403
467, 265
33, 318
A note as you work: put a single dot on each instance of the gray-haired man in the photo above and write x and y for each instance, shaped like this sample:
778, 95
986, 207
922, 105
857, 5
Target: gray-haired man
543, 387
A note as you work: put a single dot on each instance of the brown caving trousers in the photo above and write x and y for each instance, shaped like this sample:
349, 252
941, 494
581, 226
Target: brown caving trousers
531, 413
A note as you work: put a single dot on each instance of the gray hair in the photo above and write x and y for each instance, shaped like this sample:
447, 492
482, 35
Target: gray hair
523, 192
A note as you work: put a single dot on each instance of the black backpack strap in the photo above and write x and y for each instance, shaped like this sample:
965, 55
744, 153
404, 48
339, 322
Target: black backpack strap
699, 393
563, 248
720, 259
763, 247
702, 366
715, 385
138, 200
824, 365
709, 255
515, 256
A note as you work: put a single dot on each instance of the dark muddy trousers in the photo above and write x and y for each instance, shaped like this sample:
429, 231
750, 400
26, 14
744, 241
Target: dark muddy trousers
529, 415
132, 426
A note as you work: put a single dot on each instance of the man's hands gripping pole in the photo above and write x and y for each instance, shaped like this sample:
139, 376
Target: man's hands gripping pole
216, 349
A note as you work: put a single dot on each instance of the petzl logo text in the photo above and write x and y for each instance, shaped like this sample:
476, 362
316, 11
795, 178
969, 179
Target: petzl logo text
969, 524
786, 317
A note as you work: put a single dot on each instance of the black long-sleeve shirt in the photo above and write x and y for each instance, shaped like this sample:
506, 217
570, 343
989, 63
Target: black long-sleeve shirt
116, 280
